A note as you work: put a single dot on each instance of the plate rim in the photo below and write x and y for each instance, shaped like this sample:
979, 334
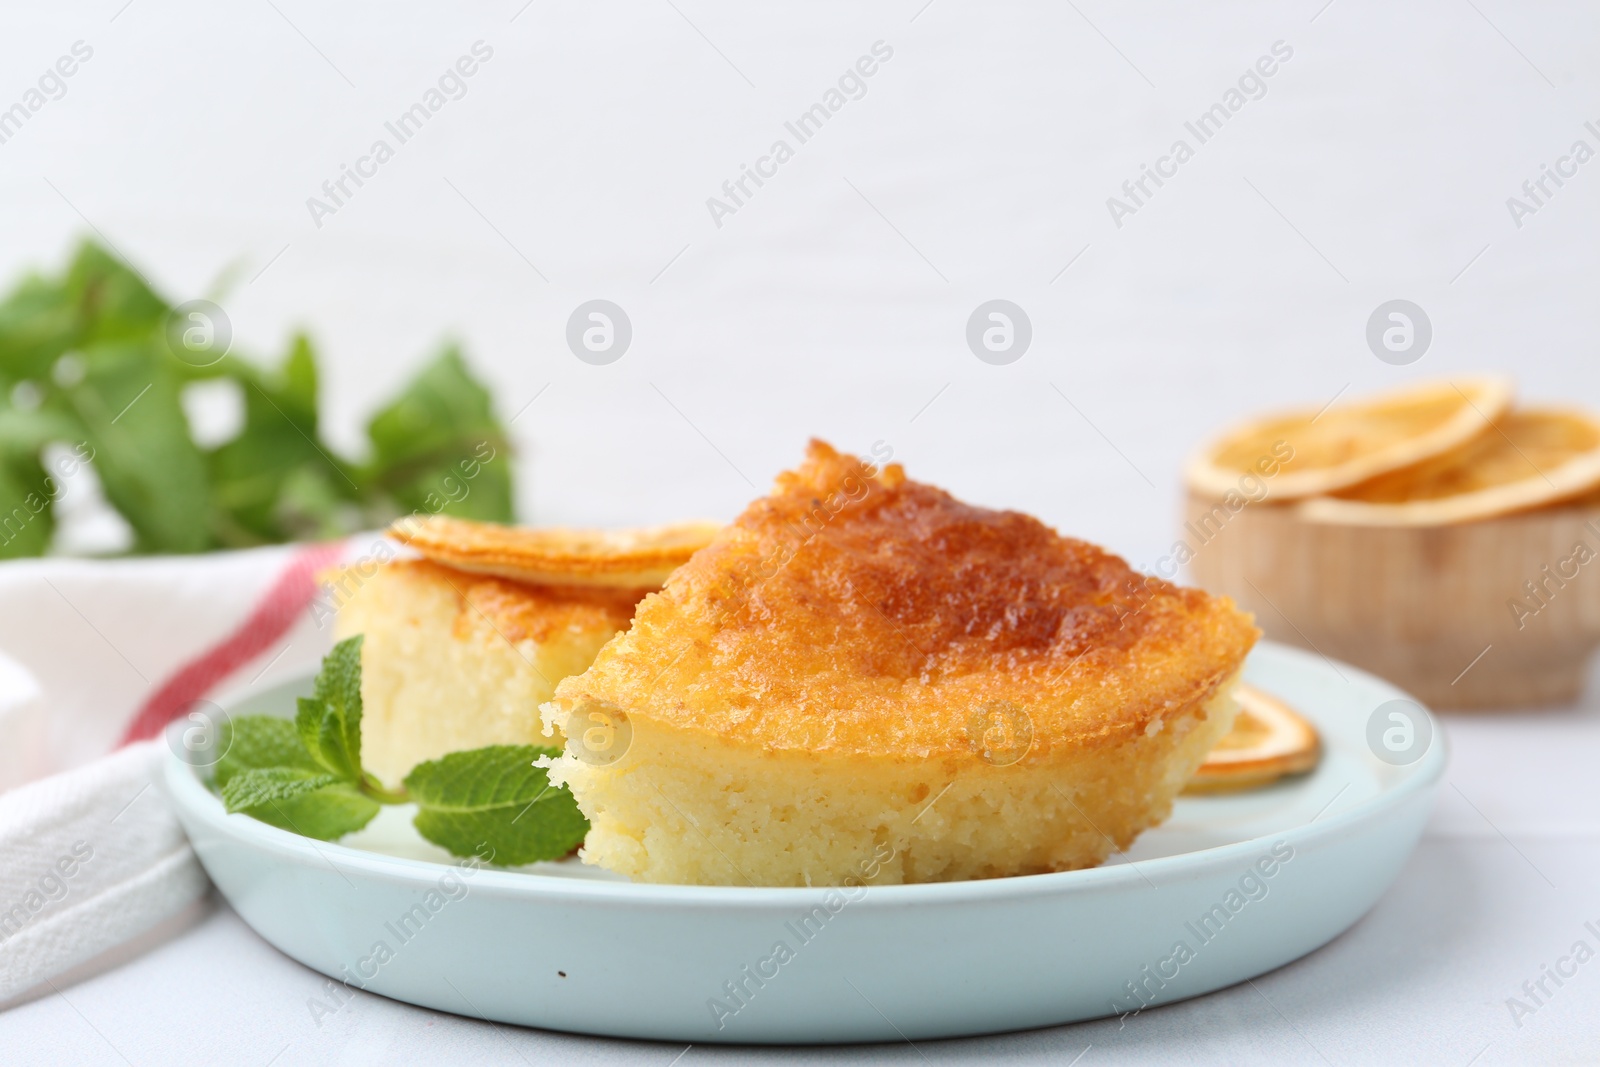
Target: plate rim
191, 796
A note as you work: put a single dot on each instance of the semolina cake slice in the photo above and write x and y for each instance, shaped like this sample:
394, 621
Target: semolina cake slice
462, 646
863, 679
455, 660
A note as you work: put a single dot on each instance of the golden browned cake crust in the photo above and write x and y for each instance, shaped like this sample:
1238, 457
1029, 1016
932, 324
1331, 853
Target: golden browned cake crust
623, 559
523, 611
859, 613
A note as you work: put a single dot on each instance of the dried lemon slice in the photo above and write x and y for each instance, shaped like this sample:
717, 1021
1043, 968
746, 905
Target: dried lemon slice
1307, 453
1531, 458
618, 559
1268, 741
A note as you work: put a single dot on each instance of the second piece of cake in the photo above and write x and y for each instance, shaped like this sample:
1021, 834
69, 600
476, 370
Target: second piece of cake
463, 646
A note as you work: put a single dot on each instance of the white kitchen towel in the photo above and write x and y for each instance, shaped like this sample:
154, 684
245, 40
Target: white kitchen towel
98, 655
93, 857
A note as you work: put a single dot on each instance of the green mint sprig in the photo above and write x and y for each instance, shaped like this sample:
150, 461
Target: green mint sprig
306, 776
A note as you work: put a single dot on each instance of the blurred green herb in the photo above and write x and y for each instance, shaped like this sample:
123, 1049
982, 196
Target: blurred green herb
95, 363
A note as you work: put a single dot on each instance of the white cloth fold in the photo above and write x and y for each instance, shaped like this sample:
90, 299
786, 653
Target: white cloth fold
91, 854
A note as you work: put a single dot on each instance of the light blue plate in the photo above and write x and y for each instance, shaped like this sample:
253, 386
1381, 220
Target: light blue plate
1229, 888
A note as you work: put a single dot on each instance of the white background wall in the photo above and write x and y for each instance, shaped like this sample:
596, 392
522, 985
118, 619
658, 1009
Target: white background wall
592, 138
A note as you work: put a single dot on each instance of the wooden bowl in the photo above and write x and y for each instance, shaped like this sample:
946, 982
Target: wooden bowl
1500, 613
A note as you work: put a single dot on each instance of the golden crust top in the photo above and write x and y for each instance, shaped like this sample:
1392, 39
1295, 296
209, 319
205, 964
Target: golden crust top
621, 559
856, 611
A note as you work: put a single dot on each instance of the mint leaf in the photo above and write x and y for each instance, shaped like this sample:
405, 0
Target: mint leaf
149, 467
38, 322
326, 814
496, 797
263, 755
27, 508
257, 741
438, 448
311, 803
113, 301
259, 786
273, 481
329, 721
